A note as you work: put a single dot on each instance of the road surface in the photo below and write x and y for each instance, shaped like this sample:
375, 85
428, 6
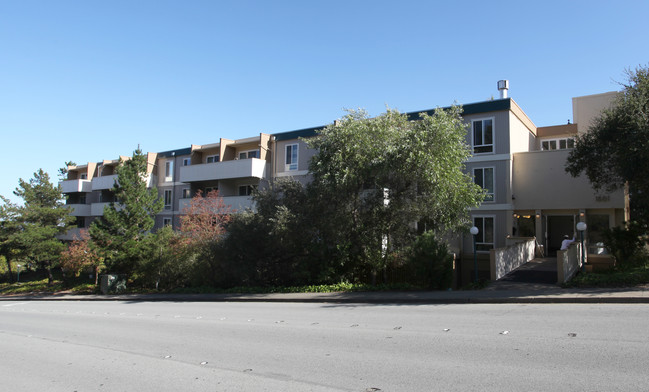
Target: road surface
241, 346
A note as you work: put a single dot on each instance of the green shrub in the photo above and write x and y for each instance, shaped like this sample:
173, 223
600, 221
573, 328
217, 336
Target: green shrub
626, 244
431, 262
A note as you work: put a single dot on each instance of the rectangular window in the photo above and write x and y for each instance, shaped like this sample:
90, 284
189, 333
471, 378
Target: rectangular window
249, 154
246, 190
167, 199
81, 222
187, 161
82, 199
187, 193
212, 159
485, 238
291, 157
484, 177
557, 144
209, 189
84, 176
166, 222
483, 136
169, 171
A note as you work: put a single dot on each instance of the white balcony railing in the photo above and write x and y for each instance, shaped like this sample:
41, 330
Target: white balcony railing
72, 186
242, 168
79, 209
236, 203
105, 182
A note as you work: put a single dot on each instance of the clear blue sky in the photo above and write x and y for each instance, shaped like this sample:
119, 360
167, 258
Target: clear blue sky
89, 80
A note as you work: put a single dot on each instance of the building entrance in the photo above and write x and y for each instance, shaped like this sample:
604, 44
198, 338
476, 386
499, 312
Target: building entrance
556, 227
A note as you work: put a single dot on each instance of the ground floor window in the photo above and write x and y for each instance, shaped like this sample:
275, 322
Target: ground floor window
485, 238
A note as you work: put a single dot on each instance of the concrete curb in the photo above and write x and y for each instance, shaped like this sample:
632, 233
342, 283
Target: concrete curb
434, 298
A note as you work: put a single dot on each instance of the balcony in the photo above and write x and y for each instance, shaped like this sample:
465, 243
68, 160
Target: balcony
105, 182
238, 203
79, 209
242, 168
70, 235
73, 186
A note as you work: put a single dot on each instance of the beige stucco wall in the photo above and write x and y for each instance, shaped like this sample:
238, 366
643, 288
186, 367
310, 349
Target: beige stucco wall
541, 182
588, 107
303, 157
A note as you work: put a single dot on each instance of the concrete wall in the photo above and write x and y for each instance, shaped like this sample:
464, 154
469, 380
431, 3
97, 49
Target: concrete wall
568, 262
587, 108
504, 260
541, 182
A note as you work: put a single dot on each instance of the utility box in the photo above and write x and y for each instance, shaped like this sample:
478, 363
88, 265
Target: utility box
111, 284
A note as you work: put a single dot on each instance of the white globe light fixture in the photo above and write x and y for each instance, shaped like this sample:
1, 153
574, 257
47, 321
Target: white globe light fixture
581, 227
474, 232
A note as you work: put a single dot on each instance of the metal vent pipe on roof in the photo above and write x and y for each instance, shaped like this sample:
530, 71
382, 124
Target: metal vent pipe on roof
503, 86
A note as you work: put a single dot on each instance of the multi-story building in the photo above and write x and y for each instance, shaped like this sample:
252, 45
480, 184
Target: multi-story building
520, 166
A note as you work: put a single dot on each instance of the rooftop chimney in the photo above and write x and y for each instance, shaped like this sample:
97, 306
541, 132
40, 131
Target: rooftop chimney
503, 86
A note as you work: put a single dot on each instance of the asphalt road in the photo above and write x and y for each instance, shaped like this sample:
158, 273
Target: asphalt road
174, 346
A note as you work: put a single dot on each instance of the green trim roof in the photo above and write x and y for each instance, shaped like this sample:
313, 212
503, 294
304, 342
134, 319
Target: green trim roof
471, 108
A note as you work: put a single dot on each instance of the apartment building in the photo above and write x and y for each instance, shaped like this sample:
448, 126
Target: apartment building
520, 165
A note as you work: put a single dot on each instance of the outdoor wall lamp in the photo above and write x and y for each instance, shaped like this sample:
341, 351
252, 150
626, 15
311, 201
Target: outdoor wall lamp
581, 227
474, 232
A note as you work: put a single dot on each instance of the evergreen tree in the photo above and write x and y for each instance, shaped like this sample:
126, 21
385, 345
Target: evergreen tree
121, 232
38, 222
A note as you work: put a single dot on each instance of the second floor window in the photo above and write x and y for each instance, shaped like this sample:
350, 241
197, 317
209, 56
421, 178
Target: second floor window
484, 177
291, 157
246, 190
212, 159
187, 161
167, 199
187, 193
483, 136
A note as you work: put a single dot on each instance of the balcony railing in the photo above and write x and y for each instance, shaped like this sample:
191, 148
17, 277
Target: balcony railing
105, 182
73, 186
79, 209
238, 203
242, 168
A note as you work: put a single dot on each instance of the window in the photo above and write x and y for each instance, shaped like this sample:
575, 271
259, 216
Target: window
291, 157
246, 190
187, 161
249, 154
187, 193
83, 176
484, 177
81, 222
484, 240
166, 222
82, 199
167, 199
483, 136
558, 144
209, 189
212, 159
169, 171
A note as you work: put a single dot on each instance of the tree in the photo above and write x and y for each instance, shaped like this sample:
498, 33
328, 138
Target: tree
374, 178
81, 255
8, 228
204, 220
37, 223
614, 153
121, 232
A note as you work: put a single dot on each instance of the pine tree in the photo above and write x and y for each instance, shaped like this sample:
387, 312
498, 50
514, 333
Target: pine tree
121, 232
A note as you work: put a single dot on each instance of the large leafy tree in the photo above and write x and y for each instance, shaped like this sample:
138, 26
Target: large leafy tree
33, 227
374, 178
121, 232
614, 153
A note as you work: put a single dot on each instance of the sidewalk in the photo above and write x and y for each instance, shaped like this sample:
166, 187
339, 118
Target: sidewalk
524, 293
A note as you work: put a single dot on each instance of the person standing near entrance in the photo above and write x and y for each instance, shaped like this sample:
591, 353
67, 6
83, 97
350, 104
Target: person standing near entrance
566, 242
